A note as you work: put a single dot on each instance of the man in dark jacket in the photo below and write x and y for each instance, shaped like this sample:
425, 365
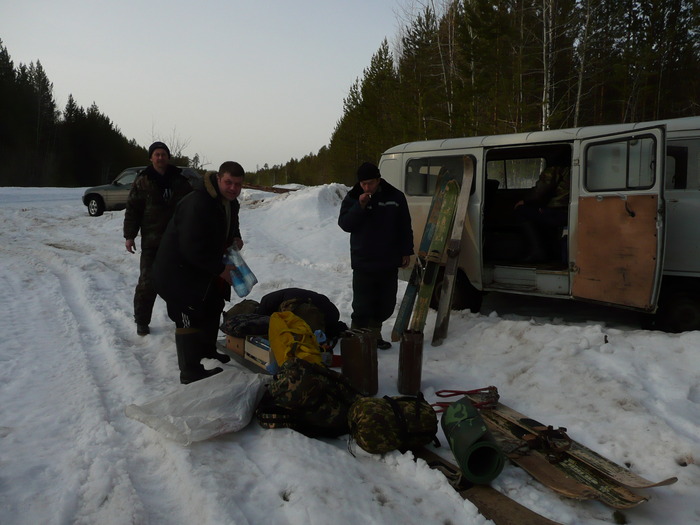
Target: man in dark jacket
151, 203
381, 240
189, 273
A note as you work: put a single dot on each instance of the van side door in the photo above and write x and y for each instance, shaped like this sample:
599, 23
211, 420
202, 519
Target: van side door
619, 232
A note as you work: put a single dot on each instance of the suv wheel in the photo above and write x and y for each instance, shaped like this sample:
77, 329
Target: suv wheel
95, 206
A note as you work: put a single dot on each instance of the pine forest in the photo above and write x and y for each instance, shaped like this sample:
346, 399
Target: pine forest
456, 68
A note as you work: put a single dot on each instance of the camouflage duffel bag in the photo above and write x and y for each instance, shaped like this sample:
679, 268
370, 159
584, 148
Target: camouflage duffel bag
392, 423
309, 398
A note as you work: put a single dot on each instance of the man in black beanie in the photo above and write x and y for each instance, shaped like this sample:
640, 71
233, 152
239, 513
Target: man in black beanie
376, 215
151, 203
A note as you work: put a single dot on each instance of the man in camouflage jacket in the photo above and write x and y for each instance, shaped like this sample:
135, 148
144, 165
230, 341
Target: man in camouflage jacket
151, 204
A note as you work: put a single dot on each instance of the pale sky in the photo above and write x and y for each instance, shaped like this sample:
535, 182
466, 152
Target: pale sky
257, 81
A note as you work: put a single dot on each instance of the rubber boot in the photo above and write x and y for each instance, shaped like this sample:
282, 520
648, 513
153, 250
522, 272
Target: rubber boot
533, 238
188, 345
209, 337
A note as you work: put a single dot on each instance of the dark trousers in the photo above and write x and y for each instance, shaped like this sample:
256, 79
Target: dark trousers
374, 297
542, 229
207, 318
145, 294
545, 218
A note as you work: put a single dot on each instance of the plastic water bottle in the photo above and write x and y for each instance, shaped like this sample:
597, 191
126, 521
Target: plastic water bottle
238, 283
326, 352
242, 277
320, 336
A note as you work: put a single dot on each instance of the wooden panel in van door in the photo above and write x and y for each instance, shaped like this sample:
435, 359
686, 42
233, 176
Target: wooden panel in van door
617, 249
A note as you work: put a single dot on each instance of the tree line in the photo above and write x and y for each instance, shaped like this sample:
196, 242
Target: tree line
42, 146
457, 68
480, 67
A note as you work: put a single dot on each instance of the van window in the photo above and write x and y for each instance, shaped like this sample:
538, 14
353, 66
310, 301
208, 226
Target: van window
627, 164
515, 173
683, 164
422, 174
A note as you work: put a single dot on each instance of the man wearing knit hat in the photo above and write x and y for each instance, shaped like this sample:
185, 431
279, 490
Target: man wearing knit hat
151, 203
376, 215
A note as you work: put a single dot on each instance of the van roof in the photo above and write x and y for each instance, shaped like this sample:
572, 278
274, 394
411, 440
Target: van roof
553, 135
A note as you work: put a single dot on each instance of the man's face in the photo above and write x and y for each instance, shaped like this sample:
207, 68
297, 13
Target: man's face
230, 186
159, 159
370, 185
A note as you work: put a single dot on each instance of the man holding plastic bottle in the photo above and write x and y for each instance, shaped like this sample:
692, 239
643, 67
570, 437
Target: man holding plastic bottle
189, 273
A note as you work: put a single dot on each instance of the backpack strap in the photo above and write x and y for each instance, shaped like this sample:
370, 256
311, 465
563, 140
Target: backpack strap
404, 433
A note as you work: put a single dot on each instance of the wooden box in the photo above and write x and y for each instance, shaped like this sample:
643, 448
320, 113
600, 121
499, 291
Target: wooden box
236, 344
258, 352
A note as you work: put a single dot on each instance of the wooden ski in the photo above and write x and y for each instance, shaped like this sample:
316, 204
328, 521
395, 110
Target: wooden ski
409, 299
492, 504
564, 476
583, 454
453, 248
434, 256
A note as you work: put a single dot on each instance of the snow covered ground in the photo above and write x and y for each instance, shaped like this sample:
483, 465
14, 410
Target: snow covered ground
71, 362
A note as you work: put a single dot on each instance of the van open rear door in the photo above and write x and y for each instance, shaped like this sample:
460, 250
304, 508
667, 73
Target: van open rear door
618, 230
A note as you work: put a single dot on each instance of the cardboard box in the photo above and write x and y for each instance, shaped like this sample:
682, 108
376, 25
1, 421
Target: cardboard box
236, 344
257, 351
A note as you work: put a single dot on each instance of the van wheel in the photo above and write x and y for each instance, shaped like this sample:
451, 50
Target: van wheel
464, 297
678, 311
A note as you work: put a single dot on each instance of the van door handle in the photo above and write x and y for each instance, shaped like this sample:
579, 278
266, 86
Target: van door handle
629, 211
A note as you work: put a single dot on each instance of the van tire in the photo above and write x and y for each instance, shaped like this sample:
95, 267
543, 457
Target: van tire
464, 297
678, 310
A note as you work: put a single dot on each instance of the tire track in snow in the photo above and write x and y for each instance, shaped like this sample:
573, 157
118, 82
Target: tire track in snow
122, 471
119, 371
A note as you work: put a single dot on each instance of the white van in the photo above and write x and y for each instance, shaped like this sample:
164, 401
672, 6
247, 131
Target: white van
633, 233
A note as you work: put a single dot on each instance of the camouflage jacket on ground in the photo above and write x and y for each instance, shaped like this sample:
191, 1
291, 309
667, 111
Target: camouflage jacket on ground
151, 204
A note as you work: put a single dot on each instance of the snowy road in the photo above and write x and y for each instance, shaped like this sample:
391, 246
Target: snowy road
71, 362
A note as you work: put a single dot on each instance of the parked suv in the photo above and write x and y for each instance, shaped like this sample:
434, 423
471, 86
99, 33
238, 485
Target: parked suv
113, 196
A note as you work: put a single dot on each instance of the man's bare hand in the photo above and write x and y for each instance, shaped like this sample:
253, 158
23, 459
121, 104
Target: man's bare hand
226, 274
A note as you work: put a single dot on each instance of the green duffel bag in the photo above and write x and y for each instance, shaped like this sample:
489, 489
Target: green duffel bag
392, 423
